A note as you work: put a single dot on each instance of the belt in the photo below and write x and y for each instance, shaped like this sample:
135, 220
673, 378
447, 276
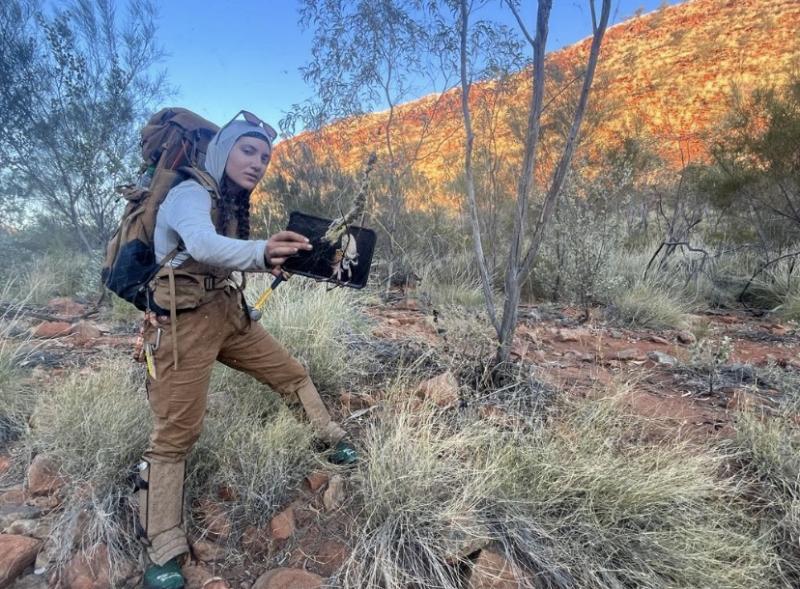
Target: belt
214, 283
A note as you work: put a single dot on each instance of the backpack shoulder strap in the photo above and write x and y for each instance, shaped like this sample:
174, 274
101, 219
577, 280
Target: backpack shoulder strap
203, 178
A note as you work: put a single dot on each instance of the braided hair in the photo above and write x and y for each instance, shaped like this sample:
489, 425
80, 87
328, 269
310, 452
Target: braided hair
234, 202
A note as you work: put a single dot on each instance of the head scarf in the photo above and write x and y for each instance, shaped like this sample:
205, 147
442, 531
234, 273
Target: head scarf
222, 143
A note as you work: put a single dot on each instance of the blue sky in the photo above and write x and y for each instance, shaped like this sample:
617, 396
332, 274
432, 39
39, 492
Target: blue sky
226, 55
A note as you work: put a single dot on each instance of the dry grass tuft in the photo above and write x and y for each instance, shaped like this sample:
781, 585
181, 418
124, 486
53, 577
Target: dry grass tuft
589, 499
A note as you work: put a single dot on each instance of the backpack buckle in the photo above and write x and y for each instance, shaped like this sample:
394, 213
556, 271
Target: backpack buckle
208, 282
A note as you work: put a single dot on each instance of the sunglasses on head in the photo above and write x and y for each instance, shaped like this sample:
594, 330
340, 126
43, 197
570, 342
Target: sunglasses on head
254, 120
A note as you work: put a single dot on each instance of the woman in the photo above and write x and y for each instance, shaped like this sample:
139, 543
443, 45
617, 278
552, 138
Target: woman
201, 234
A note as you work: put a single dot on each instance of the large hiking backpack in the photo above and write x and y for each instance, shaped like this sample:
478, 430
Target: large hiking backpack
174, 144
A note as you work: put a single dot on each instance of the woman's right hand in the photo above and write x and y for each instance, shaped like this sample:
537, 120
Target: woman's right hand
283, 245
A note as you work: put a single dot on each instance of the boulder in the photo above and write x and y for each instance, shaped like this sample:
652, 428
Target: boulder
441, 390
17, 553
286, 578
686, 337
42, 478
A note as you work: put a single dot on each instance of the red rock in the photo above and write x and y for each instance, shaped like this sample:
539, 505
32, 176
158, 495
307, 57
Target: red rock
85, 332
441, 390
12, 497
657, 339
627, 355
779, 330
196, 575
354, 402
686, 337
214, 519
492, 571
66, 306
255, 540
571, 335
16, 554
5, 464
88, 570
282, 525
334, 495
285, 578
328, 557
227, 493
51, 329
42, 478
316, 480
208, 551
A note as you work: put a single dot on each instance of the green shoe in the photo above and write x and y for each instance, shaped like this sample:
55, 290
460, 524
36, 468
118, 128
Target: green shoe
343, 453
166, 576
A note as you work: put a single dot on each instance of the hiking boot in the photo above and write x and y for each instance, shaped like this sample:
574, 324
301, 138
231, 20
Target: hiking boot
343, 453
166, 576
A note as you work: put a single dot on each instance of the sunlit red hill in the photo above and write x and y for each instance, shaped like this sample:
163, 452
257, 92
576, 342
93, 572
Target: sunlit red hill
665, 76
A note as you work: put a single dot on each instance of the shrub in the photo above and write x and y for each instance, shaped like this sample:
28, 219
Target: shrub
418, 500
95, 425
17, 397
451, 281
768, 454
649, 305
597, 500
252, 446
61, 273
790, 308
593, 499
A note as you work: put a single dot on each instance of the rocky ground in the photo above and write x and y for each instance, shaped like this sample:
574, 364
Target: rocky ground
696, 386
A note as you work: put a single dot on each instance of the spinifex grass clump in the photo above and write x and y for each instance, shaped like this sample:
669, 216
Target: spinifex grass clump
17, 397
588, 500
95, 426
316, 324
253, 448
768, 453
595, 500
420, 503
649, 305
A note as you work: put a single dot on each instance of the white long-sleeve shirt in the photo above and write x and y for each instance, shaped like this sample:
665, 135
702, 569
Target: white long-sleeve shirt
185, 216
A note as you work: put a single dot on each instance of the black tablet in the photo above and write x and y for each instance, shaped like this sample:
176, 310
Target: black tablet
344, 263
